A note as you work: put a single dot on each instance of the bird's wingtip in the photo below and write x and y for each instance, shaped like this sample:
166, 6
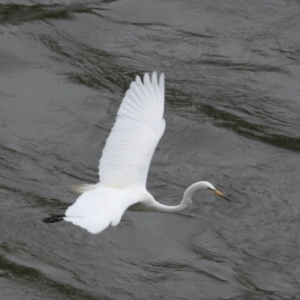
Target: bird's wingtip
81, 188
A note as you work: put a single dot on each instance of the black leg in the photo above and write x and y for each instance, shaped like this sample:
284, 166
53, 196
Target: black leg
53, 219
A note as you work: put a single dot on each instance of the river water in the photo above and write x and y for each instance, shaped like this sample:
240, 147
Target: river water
232, 110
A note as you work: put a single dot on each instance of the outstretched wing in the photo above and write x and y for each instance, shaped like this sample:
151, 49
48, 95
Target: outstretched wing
139, 126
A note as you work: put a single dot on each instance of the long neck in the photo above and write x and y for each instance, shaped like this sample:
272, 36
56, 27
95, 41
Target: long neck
186, 200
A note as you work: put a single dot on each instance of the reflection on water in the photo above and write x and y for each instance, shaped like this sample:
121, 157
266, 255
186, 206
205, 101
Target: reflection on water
232, 112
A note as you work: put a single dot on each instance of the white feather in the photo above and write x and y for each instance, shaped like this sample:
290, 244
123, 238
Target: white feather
125, 163
96, 209
139, 126
126, 158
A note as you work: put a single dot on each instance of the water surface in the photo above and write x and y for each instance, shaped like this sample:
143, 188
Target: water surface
232, 113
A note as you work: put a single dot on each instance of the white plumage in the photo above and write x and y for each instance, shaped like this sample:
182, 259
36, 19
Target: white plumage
139, 126
125, 162
126, 158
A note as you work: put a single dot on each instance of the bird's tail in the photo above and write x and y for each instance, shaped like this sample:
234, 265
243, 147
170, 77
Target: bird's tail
81, 188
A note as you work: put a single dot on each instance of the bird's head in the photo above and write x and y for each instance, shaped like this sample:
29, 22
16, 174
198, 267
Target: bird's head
211, 188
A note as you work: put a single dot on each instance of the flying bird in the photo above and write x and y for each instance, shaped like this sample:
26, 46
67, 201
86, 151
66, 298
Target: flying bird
125, 161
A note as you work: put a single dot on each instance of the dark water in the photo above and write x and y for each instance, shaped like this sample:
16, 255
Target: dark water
232, 110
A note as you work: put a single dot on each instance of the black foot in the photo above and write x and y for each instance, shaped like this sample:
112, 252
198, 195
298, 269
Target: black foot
53, 219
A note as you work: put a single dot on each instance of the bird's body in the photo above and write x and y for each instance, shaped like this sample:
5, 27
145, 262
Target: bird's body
125, 162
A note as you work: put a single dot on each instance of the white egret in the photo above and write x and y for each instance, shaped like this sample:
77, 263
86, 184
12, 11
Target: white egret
125, 161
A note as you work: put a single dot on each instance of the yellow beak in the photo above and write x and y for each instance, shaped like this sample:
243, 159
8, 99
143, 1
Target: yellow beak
218, 193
